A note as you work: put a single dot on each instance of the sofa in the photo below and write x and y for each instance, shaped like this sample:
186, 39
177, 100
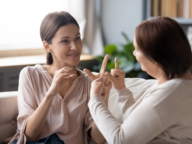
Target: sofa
9, 110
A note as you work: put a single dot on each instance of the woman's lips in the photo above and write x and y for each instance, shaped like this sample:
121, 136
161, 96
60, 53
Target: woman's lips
73, 55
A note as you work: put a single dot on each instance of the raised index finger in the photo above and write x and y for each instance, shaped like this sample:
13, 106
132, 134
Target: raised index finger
104, 64
116, 64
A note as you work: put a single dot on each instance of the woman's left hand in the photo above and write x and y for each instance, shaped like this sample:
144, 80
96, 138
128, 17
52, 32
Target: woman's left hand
106, 90
101, 73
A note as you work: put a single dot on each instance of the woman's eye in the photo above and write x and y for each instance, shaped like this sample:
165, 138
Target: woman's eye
64, 41
77, 38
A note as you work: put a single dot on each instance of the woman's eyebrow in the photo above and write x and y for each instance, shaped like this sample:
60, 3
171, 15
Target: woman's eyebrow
64, 37
77, 34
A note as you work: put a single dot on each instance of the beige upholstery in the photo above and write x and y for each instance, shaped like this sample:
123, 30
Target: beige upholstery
9, 110
8, 114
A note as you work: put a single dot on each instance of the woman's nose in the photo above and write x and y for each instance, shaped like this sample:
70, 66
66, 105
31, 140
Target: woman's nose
73, 46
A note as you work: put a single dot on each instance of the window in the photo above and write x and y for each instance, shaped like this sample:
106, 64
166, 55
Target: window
21, 19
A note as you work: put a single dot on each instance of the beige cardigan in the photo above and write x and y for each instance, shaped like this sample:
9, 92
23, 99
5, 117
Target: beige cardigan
164, 112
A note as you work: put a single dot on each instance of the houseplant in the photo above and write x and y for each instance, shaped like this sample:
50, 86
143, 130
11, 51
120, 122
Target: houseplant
126, 59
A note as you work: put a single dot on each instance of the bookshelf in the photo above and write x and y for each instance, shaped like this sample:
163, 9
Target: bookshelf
179, 10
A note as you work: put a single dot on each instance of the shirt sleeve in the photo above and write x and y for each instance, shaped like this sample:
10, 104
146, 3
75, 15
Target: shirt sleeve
88, 122
26, 103
125, 100
142, 125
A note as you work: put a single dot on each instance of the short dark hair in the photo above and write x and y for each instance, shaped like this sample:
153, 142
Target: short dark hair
163, 41
51, 24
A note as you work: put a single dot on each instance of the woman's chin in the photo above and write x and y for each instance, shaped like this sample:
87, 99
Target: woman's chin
142, 68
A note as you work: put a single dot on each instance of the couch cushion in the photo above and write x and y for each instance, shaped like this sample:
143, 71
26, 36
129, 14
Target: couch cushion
8, 114
137, 85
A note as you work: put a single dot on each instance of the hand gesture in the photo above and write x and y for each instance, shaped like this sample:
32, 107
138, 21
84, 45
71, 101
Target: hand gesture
97, 86
117, 76
61, 78
102, 71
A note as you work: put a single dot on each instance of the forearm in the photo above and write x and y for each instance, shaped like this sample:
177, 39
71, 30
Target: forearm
36, 121
125, 100
143, 122
96, 134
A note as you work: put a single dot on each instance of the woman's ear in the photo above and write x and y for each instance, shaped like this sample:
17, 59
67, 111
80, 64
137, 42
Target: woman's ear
46, 46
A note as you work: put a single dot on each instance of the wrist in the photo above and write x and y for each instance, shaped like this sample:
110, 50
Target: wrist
50, 94
120, 87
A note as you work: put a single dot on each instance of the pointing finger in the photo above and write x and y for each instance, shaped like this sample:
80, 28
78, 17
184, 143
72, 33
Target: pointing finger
90, 74
104, 64
116, 64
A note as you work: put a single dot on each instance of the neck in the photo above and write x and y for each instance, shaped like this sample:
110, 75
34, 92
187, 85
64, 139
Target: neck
185, 76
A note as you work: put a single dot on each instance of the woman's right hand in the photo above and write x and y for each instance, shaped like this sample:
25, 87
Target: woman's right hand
60, 79
117, 76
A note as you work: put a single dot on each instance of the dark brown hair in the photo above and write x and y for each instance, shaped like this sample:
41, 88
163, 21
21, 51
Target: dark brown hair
51, 24
163, 41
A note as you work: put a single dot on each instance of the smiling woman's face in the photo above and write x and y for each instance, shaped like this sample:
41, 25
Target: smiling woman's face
66, 45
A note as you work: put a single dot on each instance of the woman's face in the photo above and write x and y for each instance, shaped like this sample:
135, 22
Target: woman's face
146, 65
66, 45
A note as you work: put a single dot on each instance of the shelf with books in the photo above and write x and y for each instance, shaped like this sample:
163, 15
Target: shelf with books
179, 20
179, 10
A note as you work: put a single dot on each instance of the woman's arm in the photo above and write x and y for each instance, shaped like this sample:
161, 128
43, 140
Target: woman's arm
37, 121
95, 133
35, 116
140, 127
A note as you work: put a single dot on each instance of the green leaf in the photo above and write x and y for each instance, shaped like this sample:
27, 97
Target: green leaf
129, 66
110, 49
100, 58
126, 37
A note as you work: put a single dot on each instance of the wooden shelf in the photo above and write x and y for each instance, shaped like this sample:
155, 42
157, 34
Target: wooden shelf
180, 20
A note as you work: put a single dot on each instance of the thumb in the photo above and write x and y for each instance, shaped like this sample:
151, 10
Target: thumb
110, 77
90, 74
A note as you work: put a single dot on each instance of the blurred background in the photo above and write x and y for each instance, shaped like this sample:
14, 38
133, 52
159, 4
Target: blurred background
106, 26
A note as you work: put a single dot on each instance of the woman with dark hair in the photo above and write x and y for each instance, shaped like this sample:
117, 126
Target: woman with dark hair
162, 115
53, 98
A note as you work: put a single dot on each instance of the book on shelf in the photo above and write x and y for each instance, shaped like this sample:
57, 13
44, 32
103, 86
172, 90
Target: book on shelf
180, 6
155, 6
172, 8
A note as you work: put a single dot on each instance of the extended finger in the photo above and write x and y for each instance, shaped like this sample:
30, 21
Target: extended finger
116, 64
103, 67
90, 74
67, 69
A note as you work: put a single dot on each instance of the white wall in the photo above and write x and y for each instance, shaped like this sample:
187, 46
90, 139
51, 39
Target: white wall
118, 16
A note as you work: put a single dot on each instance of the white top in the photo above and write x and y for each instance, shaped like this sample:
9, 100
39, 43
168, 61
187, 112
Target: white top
163, 114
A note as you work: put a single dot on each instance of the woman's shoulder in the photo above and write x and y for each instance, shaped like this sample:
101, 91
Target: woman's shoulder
171, 92
31, 71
